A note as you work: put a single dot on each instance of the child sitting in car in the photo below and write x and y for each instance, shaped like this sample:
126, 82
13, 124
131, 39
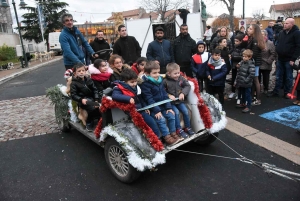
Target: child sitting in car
153, 91
178, 87
116, 62
100, 74
127, 91
84, 92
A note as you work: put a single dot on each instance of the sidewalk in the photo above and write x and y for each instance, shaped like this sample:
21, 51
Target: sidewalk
6, 75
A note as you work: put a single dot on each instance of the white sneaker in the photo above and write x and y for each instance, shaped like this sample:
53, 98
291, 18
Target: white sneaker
231, 95
238, 101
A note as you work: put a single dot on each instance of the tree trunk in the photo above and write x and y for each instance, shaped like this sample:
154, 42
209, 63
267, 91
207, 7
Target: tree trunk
231, 16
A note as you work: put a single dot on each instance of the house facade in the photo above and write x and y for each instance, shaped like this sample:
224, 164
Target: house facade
284, 10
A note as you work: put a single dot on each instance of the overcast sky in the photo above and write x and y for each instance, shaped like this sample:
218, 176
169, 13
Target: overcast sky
97, 11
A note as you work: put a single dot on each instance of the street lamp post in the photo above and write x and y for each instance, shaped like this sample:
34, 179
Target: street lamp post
22, 4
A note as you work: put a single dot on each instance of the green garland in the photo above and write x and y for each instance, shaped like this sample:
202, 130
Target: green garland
59, 101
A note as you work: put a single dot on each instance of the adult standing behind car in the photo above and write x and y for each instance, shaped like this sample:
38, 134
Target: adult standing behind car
184, 47
72, 41
99, 43
160, 50
288, 50
127, 46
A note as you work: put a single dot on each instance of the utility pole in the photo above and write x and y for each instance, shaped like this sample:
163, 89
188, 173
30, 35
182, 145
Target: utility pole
196, 6
243, 9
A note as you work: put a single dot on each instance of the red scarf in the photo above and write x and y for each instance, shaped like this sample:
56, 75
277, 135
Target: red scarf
125, 91
135, 69
101, 77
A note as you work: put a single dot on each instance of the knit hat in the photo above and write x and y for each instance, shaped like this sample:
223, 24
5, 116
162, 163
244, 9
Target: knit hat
201, 42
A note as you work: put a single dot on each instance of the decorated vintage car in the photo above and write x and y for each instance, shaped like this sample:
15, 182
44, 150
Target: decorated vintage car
130, 145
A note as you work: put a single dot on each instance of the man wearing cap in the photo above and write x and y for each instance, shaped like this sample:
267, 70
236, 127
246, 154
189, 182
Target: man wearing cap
184, 48
127, 46
160, 50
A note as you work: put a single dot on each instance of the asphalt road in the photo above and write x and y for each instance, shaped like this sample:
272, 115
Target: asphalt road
68, 166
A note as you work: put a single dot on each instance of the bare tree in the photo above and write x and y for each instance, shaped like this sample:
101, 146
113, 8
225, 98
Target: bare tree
162, 6
290, 10
230, 7
258, 15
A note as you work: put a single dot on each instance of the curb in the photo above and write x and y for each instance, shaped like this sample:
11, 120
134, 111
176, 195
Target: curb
273, 144
26, 70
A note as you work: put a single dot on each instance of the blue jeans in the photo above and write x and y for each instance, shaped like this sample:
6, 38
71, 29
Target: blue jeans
185, 113
246, 96
162, 124
284, 72
150, 121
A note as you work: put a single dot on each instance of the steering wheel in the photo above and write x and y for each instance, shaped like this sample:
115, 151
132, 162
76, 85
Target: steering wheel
104, 54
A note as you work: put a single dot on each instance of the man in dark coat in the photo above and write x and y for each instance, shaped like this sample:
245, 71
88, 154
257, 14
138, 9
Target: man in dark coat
99, 43
288, 50
160, 50
127, 46
184, 47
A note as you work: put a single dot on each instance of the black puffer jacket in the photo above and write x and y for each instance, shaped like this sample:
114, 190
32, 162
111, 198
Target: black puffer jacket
288, 46
184, 47
117, 74
236, 55
252, 44
245, 74
98, 45
176, 87
81, 89
129, 48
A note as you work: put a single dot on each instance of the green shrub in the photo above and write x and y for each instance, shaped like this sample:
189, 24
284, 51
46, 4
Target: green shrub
7, 53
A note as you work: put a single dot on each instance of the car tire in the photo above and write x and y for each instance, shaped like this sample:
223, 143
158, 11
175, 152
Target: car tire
207, 139
117, 162
63, 124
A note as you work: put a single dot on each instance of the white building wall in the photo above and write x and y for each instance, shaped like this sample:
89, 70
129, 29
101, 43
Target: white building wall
10, 40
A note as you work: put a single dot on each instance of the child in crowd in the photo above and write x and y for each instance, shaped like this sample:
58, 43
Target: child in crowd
100, 74
154, 91
216, 75
116, 63
84, 92
199, 65
127, 91
139, 65
178, 87
244, 79
236, 57
222, 45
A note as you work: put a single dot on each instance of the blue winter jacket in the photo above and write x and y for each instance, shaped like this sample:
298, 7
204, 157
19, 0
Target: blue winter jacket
118, 94
199, 65
218, 75
161, 52
71, 42
153, 93
270, 33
